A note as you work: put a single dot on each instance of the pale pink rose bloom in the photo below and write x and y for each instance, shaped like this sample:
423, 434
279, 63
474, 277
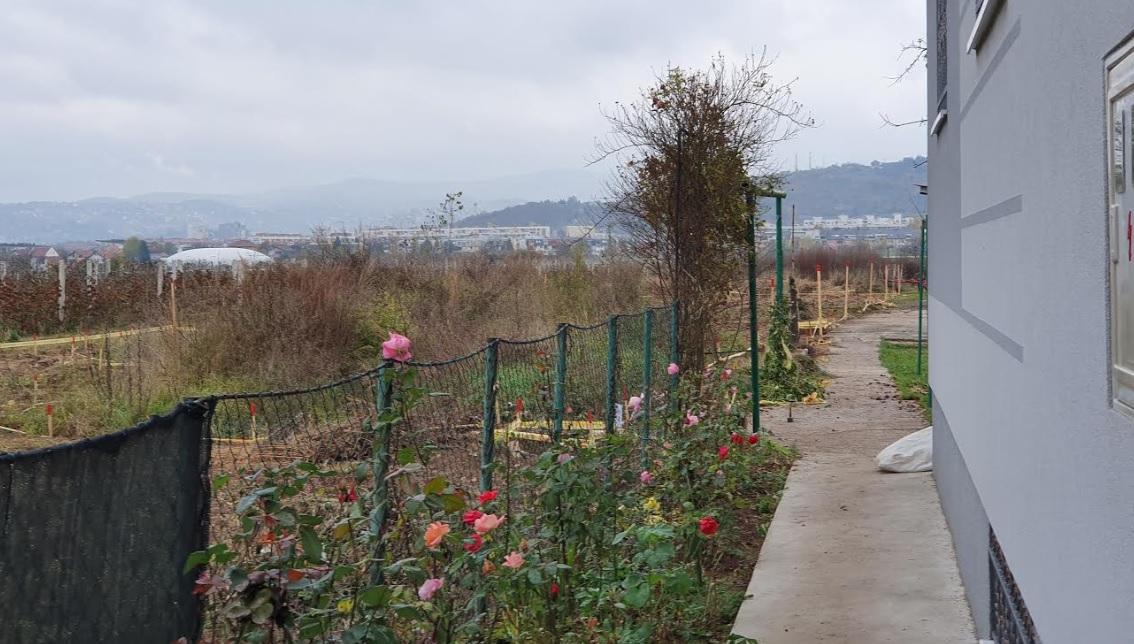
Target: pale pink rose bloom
634, 404
646, 477
513, 560
397, 348
487, 523
691, 420
563, 458
673, 369
429, 588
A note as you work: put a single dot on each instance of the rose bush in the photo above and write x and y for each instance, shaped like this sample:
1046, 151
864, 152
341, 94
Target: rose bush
602, 542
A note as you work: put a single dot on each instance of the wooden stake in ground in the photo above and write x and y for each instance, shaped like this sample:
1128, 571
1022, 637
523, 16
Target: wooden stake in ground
886, 283
870, 295
252, 410
160, 279
173, 297
819, 296
846, 290
50, 419
900, 279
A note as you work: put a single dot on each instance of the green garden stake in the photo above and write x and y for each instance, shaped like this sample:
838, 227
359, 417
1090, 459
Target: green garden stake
920, 294
611, 372
560, 381
674, 354
380, 465
647, 382
488, 426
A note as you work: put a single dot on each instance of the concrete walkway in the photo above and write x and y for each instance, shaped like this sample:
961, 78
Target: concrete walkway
854, 555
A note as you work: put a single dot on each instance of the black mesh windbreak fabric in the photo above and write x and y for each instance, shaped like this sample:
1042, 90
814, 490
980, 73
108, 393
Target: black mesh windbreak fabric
94, 535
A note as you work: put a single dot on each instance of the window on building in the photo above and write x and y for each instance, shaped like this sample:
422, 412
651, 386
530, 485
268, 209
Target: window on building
942, 52
1120, 154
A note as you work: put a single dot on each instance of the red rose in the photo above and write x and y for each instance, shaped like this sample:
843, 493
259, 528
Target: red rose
471, 516
554, 590
487, 496
753, 439
723, 452
736, 439
475, 545
708, 526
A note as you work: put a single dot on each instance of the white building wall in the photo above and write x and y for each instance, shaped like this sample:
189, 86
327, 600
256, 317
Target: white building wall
1019, 316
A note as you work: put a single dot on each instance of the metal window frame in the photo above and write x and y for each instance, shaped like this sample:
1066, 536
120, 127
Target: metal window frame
1119, 83
986, 15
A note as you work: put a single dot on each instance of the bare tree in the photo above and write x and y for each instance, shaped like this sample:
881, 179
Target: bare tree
686, 150
912, 54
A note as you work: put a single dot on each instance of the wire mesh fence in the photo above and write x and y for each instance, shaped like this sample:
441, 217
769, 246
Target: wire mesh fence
475, 423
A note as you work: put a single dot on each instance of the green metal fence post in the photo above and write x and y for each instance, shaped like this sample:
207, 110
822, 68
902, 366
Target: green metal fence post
611, 371
560, 381
920, 293
488, 427
380, 465
647, 383
674, 353
779, 251
753, 340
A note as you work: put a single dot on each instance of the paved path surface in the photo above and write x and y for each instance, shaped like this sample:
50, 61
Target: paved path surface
854, 555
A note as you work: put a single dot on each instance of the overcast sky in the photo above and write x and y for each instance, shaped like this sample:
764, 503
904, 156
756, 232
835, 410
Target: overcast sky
114, 97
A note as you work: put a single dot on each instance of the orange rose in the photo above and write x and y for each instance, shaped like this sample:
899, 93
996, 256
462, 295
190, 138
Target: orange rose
435, 534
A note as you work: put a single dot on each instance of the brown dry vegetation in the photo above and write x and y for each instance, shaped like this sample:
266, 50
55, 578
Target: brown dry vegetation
295, 325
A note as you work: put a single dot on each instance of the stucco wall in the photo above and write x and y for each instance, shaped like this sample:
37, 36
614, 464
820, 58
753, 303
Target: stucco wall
1019, 316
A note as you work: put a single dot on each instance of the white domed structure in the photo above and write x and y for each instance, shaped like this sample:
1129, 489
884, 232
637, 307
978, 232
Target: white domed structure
216, 257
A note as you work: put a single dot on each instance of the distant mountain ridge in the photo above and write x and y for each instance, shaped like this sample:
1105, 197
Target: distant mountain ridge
555, 199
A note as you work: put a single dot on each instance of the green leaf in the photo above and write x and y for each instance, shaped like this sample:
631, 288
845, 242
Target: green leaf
406, 456
198, 558
312, 546
262, 613
376, 596
453, 502
220, 481
246, 503
436, 485
534, 576
310, 628
637, 596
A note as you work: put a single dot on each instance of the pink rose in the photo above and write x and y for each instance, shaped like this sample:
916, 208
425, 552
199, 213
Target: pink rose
563, 458
429, 588
513, 560
397, 348
673, 369
646, 477
634, 404
487, 523
691, 419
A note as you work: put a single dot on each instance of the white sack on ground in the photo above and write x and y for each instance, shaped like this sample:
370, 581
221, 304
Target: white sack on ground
912, 453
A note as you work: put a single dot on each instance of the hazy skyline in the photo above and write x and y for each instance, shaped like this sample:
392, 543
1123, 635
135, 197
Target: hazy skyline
115, 98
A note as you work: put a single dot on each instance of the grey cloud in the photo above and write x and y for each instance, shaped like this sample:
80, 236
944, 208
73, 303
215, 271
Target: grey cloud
252, 95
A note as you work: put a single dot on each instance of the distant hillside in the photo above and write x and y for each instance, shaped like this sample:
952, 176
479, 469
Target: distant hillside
555, 214
851, 189
847, 189
854, 189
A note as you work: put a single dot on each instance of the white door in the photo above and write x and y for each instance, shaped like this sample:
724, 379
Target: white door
1120, 97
